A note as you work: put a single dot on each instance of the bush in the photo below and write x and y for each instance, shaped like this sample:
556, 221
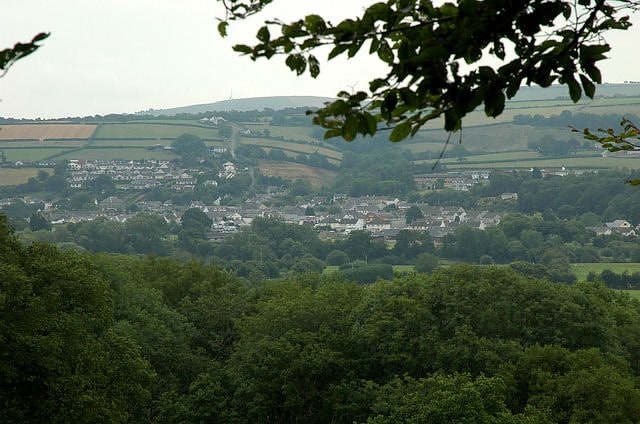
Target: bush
368, 274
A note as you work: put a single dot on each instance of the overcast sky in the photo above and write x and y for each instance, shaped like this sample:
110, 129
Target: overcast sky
123, 56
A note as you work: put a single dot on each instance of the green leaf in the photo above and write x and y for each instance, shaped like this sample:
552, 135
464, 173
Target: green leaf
263, 34
400, 132
242, 48
588, 86
315, 23
222, 28
350, 128
337, 50
314, 66
384, 52
389, 104
594, 53
368, 124
296, 62
452, 121
574, 88
494, 103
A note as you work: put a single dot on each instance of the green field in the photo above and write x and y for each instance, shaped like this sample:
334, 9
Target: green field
292, 146
128, 143
582, 270
10, 176
156, 131
33, 154
330, 269
117, 153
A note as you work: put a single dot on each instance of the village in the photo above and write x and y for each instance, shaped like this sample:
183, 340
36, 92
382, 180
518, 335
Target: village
334, 217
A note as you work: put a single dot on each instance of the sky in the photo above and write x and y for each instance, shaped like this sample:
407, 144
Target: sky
124, 56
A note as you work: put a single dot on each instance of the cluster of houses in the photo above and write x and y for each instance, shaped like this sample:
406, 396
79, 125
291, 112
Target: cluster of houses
383, 217
139, 174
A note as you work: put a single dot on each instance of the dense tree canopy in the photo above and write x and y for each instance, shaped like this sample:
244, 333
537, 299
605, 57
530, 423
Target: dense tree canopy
436, 55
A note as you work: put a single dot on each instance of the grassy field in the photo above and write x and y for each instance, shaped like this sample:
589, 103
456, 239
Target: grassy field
9, 176
588, 162
318, 177
45, 131
117, 153
128, 143
635, 294
32, 154
330, 269
582, 270
292, 146
155, 131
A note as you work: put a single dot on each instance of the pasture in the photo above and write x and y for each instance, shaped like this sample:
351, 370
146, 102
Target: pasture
582, 270
15, 176
318, 177
117, 152
46, 131
34, 154
292, 146
135, 130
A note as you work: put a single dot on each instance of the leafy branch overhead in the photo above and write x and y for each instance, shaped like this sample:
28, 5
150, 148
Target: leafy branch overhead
11, 55
435, 56
626, 140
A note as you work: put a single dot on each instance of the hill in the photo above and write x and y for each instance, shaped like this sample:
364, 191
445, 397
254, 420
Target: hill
277, 127
241, 105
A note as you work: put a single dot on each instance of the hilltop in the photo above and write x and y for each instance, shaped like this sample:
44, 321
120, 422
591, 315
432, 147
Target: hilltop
242, 105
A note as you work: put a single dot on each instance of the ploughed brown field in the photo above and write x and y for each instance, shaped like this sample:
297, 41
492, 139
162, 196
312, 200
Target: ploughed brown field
46, 131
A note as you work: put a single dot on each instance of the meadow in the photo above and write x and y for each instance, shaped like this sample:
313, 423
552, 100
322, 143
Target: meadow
46, 131
318, 177
582, 270
160, 130
15, 176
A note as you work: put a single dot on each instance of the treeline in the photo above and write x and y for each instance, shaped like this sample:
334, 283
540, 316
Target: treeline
616, 280
113, 338
271, 248
577, 120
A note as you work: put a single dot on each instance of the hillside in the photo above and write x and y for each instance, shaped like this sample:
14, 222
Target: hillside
253, 103
278, 126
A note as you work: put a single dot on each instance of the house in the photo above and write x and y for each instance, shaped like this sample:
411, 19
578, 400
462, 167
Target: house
112, 205
620, 226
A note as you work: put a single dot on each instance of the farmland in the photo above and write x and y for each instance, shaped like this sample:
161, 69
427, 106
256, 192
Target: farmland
582, 270
19, 176
488, 143
318, 177
160, 130
46, 131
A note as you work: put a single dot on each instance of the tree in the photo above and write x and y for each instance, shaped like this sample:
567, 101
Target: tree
39, 222
426, 262
62, 361
424, 47
413, 213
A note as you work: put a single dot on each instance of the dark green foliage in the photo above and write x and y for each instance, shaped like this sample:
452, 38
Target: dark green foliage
337, 257
367, 274
112, 338
39, 222
423, 45
62, 360
412, 214
426, 262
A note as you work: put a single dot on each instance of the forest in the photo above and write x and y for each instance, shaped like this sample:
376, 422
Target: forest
117, 338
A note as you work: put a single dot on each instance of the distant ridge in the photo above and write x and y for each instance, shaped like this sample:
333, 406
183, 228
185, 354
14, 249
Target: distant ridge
283, 102
561, 91
242, 105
